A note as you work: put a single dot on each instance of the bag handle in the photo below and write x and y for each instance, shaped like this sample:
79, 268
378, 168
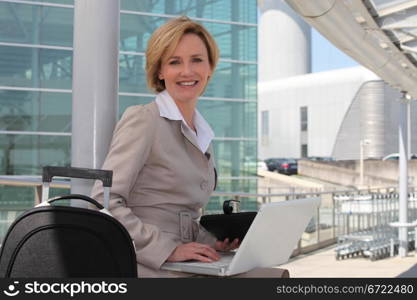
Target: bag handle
78, 197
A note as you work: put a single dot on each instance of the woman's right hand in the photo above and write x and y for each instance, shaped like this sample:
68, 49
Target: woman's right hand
194, 251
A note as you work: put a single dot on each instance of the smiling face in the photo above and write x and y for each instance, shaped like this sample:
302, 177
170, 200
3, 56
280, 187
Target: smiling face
187, 70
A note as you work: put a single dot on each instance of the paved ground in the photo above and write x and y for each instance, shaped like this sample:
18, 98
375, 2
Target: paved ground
322, 263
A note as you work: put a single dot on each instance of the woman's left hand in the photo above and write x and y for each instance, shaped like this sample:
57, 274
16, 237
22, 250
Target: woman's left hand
226, 245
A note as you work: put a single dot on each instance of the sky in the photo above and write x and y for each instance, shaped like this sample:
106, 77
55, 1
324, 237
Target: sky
325, 56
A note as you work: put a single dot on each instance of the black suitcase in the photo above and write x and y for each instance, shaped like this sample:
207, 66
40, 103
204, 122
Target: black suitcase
54, 241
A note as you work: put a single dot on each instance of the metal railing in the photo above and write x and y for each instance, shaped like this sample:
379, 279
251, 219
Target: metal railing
327, 224
323, 229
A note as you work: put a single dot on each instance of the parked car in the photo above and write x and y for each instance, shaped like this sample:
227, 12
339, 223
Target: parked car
287, 166
271, 163
396, 156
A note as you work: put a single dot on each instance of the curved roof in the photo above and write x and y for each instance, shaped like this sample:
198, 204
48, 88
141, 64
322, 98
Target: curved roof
379, 34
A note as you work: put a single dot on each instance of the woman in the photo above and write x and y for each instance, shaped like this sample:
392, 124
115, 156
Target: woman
161, 156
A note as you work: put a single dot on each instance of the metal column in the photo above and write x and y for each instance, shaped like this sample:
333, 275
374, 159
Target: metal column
403, 175
95, 84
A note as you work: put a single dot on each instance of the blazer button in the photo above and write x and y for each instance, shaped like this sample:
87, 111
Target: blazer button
204, 185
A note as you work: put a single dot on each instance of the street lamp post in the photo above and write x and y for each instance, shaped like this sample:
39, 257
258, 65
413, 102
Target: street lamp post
403, 174
362, 144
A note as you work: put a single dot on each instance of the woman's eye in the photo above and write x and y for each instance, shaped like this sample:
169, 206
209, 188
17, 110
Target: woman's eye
197, 60
174, 62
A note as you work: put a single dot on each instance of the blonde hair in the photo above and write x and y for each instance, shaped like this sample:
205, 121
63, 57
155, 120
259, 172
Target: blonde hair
163, 42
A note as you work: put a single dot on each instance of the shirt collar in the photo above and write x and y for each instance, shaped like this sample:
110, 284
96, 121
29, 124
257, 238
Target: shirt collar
168, 109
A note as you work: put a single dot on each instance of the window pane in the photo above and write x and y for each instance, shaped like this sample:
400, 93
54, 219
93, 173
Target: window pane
27, 154
235, 158
16, 198
33, 67
304, 150
304, 118
228, 10
230, 80
230, 119
215, 204
132, 78
36, 24
234, 41
233, 81
126, 101
35, 111
56, 1
227, 119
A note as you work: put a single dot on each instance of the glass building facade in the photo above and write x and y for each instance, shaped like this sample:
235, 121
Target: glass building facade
36, 39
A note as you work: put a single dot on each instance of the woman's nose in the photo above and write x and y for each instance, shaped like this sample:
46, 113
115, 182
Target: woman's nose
186, 69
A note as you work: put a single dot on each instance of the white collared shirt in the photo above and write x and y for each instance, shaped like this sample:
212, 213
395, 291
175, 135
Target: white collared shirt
168, 109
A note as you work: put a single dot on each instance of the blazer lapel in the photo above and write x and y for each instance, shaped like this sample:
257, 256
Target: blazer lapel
189, 136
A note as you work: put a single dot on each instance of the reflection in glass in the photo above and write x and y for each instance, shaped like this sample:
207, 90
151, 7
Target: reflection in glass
36, 24
230, 80
27, 154
226, 10
34, 67
135, 31
236, 158
35, 111
230, 119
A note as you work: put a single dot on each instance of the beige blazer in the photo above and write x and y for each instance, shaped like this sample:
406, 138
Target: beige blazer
161, 180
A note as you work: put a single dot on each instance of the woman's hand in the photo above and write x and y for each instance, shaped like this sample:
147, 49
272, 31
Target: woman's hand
226, 246
196, 251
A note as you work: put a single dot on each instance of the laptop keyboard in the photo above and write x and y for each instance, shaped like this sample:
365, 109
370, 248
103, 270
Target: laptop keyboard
225, 259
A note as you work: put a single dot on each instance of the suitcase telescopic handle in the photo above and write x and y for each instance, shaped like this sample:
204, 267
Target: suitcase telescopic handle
104, 175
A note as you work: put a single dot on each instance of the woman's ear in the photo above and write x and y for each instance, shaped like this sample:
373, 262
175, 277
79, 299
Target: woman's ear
209, 74
160, 77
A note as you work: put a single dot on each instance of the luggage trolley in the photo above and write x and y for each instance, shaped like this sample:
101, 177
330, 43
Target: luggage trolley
366, 230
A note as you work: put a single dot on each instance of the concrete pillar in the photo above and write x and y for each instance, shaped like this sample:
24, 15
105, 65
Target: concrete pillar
95, 84
403, 176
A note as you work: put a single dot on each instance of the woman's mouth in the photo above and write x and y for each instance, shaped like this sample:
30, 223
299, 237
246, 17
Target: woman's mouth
187, 83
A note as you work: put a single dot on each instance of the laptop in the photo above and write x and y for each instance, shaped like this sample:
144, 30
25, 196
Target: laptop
269, 242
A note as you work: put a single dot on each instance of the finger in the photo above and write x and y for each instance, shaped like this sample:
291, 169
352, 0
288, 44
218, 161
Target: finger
207, 251
235, 244
222, 246
232, 245
201, 258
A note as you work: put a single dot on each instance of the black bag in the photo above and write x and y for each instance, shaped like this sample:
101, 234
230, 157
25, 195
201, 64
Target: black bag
62, 241
228, 225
